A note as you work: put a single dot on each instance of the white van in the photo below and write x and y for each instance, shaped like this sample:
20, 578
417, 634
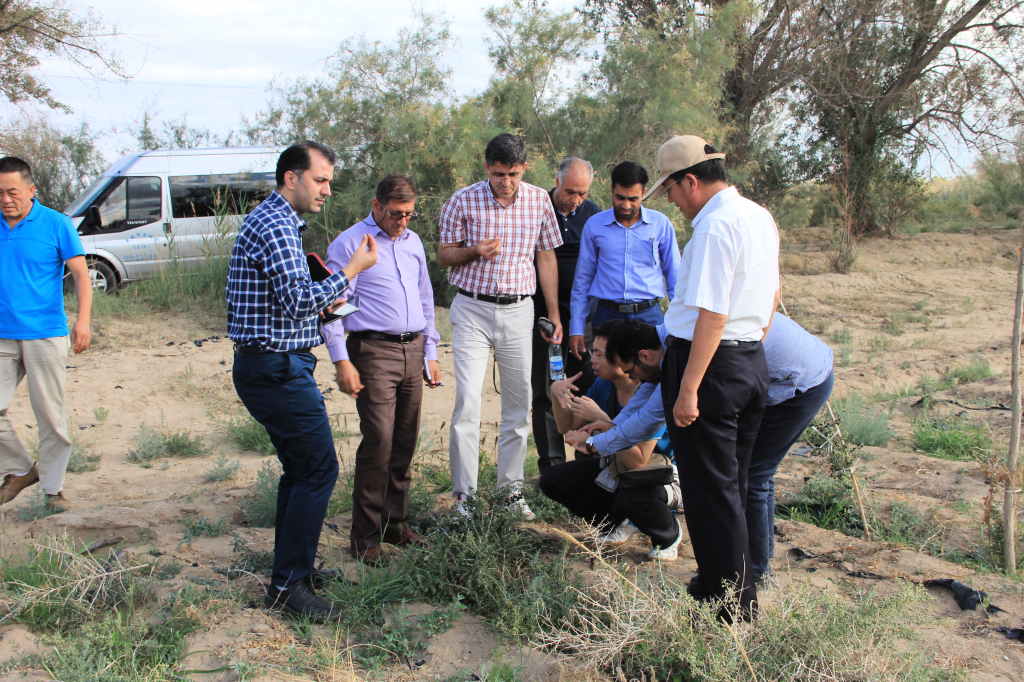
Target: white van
172, 204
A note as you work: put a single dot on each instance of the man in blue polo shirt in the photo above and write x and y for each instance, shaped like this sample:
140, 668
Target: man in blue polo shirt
628, 260
36, 243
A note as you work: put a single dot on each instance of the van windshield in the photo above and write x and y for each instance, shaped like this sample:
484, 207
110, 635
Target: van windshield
79, 205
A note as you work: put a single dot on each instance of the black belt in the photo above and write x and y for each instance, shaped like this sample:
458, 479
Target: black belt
256, 350
724, 343
630, 307
404, 337
487, 298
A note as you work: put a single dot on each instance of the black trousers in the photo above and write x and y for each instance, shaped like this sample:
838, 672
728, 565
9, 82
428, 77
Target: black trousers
713, 456
549, 442
572, 485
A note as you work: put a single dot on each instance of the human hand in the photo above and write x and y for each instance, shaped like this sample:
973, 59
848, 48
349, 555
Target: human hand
348, 378
556, 334
434, 378
488, 249
363, 258
586, 409
81, 336
563, 389
685, 411
577, 439
576, 345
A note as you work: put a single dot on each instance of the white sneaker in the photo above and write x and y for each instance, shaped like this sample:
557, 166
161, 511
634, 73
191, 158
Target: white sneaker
462, 507
618, 535
519, 506
670, 553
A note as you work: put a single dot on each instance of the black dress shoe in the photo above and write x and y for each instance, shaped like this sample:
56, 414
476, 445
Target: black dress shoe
298, 600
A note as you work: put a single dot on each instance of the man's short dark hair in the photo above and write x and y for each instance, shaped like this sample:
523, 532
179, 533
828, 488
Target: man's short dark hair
296, 158
712, 170
626, 338
629, 173
507, 149
395, 188
12, 164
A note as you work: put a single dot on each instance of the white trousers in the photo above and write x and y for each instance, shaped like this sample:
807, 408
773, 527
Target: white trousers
41, 362
478, 327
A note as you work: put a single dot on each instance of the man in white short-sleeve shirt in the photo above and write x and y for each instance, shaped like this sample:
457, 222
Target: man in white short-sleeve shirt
714, 377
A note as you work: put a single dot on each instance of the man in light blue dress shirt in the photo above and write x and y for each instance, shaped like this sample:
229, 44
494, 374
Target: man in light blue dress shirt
628, 261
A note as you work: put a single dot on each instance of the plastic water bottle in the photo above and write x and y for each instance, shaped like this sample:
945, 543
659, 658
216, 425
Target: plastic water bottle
556, 366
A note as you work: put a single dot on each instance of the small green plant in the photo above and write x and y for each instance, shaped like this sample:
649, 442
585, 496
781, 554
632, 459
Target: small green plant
151, 445
81, 459
249, 435
879, 344
892, 325
826, 502
976, 370
860, 423
951, 438
259, 507
223, 469
38, 507
101, 414
843, 337
904, 525
248, 560
202, 527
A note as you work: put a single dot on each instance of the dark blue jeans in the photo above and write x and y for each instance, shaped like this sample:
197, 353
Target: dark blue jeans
605, 313
780, 428
280, 393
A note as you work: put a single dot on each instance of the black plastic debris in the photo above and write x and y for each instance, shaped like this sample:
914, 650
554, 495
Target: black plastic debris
967, 598
1012, 633
797, 554
169, 343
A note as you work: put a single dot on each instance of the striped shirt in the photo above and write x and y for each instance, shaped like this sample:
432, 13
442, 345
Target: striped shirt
272, 302
528, 225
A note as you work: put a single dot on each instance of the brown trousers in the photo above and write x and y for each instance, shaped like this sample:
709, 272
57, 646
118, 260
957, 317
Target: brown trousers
389, 420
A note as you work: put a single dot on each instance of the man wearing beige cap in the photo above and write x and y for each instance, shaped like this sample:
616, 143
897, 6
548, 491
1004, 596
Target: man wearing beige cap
714, 377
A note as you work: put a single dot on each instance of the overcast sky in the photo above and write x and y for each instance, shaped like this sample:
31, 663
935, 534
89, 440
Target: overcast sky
213, 60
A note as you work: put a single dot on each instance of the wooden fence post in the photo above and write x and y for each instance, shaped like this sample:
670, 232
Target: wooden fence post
1012, 473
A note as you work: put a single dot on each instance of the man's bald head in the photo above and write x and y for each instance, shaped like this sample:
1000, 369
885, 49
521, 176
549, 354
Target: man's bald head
572, 184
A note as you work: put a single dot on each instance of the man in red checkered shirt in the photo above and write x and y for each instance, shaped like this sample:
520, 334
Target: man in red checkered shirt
491, 233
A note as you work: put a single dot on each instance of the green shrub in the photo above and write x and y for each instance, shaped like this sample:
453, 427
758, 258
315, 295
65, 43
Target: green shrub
976, 370
202, 527
151, 445
951, 438
248, 434
259, 507
860, 423
826, 502
223, 469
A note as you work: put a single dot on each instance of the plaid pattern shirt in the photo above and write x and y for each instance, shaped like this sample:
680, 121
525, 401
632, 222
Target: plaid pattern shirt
272, 302
528, 225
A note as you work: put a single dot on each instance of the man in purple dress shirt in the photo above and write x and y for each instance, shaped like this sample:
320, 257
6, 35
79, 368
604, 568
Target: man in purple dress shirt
389, 352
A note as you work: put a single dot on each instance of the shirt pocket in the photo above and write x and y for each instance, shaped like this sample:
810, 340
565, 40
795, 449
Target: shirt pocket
643, 251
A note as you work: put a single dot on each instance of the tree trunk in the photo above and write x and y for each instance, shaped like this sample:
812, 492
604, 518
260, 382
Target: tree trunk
1012, 474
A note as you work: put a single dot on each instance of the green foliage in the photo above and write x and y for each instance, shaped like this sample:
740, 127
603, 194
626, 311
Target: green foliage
248, 434
1001, 187
152, 445
951, 438
259, 507
223, 469
860, 423
904, 525
38, 506
826, 502
196, 287
975, 370
123, 648
81, 459
202, 527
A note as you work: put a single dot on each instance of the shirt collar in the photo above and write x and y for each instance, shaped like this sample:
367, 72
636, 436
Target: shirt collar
715, 201
612, 220
494, 197
278, 202
370, 222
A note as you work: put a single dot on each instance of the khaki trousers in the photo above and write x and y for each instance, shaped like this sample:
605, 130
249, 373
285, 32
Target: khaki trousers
41, 361
477, 327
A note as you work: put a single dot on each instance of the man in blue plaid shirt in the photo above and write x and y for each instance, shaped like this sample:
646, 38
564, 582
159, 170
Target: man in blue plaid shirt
274, 309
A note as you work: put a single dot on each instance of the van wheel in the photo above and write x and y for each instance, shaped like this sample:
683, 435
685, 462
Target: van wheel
103, 277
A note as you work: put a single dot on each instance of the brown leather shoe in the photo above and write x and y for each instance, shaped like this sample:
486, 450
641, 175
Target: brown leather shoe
15, 484
371, 556
57, 503
401, 535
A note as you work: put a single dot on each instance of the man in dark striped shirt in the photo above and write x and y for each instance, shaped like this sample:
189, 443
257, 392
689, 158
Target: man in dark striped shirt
274, 309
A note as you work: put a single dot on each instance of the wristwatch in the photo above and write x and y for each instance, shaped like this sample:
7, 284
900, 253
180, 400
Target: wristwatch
589, 444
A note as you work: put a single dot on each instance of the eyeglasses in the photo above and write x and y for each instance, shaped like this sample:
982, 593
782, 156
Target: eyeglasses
400, 215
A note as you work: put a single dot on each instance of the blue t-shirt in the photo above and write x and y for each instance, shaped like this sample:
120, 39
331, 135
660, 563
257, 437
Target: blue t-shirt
603, 393
32, 256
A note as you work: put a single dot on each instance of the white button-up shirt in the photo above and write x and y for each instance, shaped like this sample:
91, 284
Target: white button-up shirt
730, 267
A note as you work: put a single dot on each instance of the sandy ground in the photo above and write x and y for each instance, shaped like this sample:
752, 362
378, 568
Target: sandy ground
913, 307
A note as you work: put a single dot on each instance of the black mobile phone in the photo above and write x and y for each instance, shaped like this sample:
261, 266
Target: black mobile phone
545, 326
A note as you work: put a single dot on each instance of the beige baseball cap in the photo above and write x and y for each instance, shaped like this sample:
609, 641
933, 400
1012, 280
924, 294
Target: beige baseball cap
679, 153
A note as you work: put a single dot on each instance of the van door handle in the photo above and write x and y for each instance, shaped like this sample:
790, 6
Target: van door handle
167, 228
